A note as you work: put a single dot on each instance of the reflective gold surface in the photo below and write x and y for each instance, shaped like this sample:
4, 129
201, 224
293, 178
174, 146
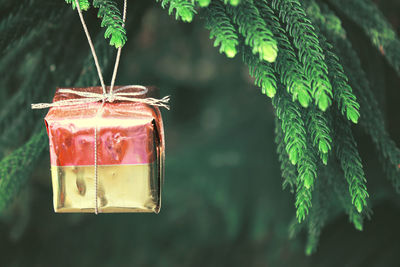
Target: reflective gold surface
121, 188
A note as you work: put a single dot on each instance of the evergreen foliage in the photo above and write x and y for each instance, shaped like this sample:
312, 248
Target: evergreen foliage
343, 93
371, 119
346, 152
307, 170
292, 126
287, 65
203, 3
318, 127
289, 172
183, 9
298, 149
366, 14
318, 216
310, 52
262, 72
112, 20
253, 28
221, 28
15, 167
83, 4
232, 2
308, 68
298, 53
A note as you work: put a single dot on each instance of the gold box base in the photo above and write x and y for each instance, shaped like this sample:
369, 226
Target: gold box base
120, 188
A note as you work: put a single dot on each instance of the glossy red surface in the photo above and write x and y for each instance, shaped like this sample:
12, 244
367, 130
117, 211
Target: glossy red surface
128, 132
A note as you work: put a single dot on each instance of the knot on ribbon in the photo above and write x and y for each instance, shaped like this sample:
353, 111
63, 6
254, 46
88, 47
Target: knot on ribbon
109, 97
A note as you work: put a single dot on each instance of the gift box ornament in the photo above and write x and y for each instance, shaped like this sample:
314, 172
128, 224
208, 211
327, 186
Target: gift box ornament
106, 156
106, 144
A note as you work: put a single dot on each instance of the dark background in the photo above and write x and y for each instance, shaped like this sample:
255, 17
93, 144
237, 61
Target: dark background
222, 200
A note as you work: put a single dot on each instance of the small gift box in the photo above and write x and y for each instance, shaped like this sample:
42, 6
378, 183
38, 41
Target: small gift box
105, 156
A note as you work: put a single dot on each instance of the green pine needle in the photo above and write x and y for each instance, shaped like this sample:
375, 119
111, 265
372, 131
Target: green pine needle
83, 4
253, 28
288, 170
112, 20
319, 214
310, 52
232, 2
203, 3
16, 167
303, 201
318, 127
343, 93
286, 64
184, 9
382, 35
372, 119
262, 72
293, 126
221, 28
347, 153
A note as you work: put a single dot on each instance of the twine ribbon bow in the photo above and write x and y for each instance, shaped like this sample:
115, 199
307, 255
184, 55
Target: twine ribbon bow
117, 95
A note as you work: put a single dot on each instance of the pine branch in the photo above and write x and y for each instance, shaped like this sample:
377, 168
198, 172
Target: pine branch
367, 15
83, 4
203, 3
318, 216
318, 127
286, 65
355, 203
11, 136
303, 201
310, 52
112, 20
232, 2
372, 119
298, 149
288, 170
292, 126
26, 23
337, 183
184, 9
253, 28
295, 227
221, 29
18, 106
262, 72
343, 93
15, 168
347, 154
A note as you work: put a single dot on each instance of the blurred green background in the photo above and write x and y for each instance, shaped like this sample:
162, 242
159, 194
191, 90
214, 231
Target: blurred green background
222, 200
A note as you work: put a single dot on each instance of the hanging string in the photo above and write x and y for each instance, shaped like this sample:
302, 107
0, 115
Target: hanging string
119, 52
96, 61
96, 178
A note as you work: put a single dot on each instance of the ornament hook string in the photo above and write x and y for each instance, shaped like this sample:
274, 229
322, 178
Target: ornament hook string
96, 61
119, 52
